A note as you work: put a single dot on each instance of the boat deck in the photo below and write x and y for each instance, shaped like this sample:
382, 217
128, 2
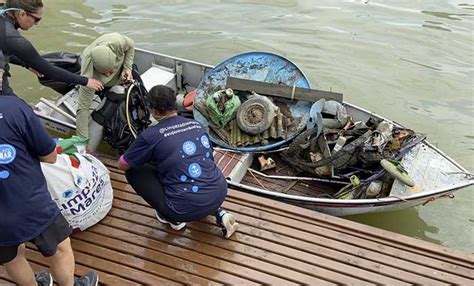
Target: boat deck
276, 244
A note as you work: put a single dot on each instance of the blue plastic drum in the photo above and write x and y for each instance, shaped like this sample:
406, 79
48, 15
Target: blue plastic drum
257, 66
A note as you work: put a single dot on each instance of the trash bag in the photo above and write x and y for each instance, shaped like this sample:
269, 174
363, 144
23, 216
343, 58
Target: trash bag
83, 192
222, 106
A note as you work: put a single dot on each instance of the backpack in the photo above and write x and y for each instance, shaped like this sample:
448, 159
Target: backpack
119, 130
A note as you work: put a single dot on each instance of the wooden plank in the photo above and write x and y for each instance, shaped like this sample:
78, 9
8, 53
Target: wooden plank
250, 246
355, 228
81, 269
284, 91
294, 262
467, 260
379, 253
454, 266
272, 235
209, 255
362, 266
6, 280
367, 245
174, 268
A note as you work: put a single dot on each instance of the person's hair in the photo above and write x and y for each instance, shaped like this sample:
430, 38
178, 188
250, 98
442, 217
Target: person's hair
29, 6
162, 98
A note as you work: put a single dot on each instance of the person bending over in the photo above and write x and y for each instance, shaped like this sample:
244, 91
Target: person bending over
27, 211
171, 166
109, 59
16, 49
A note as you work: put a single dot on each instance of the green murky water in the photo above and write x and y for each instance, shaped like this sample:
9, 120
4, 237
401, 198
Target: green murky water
411, 61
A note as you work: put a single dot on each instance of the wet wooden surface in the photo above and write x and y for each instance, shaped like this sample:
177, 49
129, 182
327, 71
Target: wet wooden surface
276, 244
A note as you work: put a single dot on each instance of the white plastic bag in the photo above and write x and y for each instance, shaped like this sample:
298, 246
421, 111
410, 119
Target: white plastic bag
83, 194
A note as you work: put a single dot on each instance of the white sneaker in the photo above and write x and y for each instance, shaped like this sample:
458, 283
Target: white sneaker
177, 226
229, 224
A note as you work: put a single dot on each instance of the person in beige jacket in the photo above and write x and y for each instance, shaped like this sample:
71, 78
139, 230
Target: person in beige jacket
108, 59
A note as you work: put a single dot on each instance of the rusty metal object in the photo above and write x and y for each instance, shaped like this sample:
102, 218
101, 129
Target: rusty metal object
266, 163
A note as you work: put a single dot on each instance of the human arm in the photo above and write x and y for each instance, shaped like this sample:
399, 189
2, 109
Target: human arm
129, 51
123, 164
27, 56
16, 61
50, 158
140, 152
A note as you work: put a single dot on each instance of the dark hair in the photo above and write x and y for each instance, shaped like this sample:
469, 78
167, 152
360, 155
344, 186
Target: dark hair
29, 6
162, 98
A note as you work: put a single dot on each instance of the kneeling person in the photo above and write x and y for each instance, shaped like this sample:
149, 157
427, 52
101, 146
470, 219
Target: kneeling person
183, 184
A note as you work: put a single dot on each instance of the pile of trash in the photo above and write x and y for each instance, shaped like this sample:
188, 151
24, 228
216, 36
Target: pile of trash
367, 153
246, 119
334, 145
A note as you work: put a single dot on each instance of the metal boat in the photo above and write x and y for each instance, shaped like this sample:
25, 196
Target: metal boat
436, 174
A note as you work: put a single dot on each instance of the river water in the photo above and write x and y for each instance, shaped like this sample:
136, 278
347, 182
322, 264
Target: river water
410, 61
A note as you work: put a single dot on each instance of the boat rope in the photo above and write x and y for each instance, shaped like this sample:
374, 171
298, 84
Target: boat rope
466, 175
296, 178
259, 152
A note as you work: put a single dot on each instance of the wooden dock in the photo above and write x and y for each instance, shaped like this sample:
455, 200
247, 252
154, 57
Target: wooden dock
276, 244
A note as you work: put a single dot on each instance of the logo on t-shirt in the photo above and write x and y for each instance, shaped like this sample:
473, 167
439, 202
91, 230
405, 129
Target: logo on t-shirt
7, 154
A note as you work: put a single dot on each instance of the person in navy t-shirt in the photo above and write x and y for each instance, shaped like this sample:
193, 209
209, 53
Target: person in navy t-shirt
172, 167
27, 212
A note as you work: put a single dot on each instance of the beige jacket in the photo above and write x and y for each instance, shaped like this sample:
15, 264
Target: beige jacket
123, 47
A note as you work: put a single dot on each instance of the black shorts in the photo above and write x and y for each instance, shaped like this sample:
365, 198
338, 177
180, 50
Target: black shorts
47, 242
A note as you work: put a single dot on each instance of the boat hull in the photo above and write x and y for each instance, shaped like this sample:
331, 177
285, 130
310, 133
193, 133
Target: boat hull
189, 73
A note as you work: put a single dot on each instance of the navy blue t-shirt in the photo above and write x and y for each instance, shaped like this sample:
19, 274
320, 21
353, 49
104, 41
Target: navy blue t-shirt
182, 152
26, 207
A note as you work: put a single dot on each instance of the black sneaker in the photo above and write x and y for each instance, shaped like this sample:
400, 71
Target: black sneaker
44, 279
175, 226
89, 279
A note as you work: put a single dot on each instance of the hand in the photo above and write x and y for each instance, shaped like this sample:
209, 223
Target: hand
37, 73
127, 75
95, 84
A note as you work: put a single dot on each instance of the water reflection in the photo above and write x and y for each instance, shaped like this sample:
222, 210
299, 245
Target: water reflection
435, 26
406, 221
450, 16
278, 3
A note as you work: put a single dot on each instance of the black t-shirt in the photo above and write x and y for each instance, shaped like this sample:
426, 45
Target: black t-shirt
26, 207
181, 149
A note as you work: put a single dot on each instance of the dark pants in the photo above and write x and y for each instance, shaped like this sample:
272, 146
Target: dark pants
146, 184
47, 242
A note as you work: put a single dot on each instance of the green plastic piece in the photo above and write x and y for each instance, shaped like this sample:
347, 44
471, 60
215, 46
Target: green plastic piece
397, 171
231, 105
68, 146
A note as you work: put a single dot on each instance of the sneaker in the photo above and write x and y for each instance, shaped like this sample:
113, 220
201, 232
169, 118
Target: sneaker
229, 225
175, 226
89, 279
44, 279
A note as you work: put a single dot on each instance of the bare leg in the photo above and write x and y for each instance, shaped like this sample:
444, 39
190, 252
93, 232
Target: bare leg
20, 270
62, 264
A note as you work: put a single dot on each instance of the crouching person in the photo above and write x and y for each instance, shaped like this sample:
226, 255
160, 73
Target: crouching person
171, 166
27, 212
